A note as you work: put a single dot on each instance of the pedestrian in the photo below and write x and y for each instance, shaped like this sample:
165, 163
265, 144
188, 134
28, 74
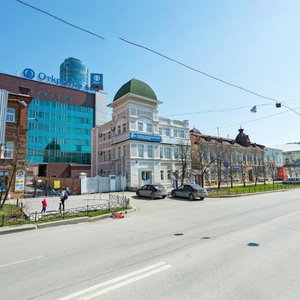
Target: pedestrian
44, 205
63, 197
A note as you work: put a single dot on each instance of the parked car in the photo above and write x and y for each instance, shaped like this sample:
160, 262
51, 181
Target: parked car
191, 191
291, 180
152, 191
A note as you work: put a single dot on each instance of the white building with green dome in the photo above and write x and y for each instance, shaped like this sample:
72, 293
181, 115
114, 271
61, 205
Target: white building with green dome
137, 143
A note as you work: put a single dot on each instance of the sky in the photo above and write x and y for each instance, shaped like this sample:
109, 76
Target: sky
252, 44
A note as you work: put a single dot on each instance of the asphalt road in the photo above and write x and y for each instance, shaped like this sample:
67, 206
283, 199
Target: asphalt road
230, 248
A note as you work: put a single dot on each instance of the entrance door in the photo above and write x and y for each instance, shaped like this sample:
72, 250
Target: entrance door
146, 177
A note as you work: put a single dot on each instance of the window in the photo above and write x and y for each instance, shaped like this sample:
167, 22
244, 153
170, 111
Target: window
175, 133
124, 151
119, 129
161, 174
140, 126
140, 150
109, 155
42, 93
104, 156
176, 153
150, 151
161, 152
149, 127
108, 135
55, 96
168, 152
169, 174
10, 115
167, 131
7, 150
119, 152
124, 127
68, 98
104, 137
160, 130
181, 133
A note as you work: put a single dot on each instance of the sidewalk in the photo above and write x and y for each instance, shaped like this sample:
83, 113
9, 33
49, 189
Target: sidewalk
32, 205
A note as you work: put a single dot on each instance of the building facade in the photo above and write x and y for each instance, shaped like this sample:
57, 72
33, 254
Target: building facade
60, 120
217, 160
137, 143
291, 158
13, 109
73, 70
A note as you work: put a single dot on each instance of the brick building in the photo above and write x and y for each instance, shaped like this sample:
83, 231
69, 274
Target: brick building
14, 109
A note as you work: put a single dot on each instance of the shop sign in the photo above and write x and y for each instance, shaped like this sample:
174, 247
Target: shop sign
145, 137
20, 181
41, 76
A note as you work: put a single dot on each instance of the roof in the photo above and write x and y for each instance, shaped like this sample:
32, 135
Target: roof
288, 147
137, 87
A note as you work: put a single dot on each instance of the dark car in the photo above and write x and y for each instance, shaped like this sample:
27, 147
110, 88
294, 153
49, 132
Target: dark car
291, 180
152, 191
191, 191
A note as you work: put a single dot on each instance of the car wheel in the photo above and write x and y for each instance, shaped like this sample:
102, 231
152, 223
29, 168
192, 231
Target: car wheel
191, 197
201, 198
173, 195
153, 195
138, 194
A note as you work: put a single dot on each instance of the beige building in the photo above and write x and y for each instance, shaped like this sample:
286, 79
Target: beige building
137, 143
216, 159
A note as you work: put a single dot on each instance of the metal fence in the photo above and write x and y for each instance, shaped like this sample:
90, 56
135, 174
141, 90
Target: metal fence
115, 202
247, 190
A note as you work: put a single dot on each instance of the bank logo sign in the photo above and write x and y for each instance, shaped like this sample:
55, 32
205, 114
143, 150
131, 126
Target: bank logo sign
145, 137
96, 78
41, 76
28, 73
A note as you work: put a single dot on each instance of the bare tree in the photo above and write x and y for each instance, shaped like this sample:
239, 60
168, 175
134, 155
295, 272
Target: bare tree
185, 162
12, 165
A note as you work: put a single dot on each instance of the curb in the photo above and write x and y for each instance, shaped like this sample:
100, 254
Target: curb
21, 228
63, 222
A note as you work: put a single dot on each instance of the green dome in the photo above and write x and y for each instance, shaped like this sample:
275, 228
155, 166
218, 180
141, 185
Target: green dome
136, 87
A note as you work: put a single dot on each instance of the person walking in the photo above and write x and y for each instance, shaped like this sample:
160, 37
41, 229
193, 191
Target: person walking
44, 205
63, 197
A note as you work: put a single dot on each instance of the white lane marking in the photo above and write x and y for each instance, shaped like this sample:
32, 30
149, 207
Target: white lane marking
113, 281
22, 261
123, 283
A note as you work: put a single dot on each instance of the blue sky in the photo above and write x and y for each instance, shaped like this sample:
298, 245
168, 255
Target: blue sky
254, 44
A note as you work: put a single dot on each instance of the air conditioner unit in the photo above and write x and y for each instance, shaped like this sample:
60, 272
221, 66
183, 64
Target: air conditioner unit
100, 134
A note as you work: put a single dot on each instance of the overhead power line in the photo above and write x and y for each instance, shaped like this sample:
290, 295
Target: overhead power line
61, 20
159, 54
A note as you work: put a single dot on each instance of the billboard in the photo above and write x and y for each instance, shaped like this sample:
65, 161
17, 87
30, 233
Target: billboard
3, 109
97, 81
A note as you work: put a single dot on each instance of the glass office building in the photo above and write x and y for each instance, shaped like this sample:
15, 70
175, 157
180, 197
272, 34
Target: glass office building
58, 132
60, 120
73, 70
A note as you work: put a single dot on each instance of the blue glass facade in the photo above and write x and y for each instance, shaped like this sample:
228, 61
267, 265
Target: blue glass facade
58, 132
74, 70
